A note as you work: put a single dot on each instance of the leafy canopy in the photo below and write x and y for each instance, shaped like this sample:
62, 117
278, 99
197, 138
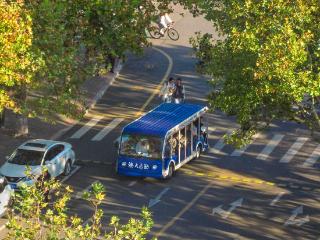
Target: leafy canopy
265, 65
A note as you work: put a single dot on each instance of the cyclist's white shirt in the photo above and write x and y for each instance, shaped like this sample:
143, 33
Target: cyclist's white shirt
165, 20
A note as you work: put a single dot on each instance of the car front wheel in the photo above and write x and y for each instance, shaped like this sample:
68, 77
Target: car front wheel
67, 168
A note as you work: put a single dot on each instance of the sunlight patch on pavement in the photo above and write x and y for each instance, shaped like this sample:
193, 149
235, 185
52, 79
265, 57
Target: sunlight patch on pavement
223, 175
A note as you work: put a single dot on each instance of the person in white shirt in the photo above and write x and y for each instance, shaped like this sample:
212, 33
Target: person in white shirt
168, 90
165, 20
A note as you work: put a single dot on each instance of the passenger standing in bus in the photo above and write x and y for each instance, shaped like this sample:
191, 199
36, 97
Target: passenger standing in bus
179, 94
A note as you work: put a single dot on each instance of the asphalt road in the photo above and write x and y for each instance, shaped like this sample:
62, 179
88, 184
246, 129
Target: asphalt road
270, 190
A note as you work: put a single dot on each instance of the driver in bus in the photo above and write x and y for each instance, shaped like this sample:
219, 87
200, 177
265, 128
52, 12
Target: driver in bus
143, 147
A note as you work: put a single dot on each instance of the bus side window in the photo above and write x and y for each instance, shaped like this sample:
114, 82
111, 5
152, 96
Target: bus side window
167, 149
175, 145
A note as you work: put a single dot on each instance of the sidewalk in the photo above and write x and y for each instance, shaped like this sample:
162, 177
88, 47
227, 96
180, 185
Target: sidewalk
93, 89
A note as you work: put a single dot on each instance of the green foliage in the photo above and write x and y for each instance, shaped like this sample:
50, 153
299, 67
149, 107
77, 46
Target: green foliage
265, 63
18, 63
48, 48
34, 217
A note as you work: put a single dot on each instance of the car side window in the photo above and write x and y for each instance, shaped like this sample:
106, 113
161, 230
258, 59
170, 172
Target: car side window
49, 154
59, 149
54, 151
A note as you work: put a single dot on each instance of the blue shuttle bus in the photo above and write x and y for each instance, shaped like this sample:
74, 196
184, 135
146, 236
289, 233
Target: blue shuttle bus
162, 140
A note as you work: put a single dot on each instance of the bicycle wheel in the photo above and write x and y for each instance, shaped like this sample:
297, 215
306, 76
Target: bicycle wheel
154, 33
173, 34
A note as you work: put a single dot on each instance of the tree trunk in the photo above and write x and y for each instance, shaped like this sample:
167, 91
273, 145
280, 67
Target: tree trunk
22, 127
2, 118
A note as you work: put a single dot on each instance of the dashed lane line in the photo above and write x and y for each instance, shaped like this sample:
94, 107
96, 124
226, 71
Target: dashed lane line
131, 184
185, 209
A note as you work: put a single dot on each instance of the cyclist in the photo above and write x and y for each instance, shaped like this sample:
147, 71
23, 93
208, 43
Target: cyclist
164, 21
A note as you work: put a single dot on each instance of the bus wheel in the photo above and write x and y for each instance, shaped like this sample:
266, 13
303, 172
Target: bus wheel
198, 152
171, 171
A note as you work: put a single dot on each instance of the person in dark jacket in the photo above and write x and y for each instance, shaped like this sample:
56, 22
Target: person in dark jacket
179, 94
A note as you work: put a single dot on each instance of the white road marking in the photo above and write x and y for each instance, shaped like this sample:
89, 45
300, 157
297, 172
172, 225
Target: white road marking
157, 199
80, 194
107, 129
239, 152
84, 129
270, 146
132, 184
165, 77
185, 209
277, 198
216, 149
70, 175
313, 158
293, 150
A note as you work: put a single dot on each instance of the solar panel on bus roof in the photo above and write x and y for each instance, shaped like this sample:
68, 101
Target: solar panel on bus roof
163, 118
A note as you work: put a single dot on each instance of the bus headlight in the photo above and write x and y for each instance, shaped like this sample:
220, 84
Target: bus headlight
154, 167
123, 164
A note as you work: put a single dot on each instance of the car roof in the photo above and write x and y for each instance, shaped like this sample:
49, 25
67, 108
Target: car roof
163, 118
39, 144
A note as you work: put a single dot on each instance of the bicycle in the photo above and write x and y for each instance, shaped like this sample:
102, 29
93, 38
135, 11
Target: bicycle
171, 32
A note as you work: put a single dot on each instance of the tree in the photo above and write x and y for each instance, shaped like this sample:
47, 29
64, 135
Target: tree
18, 64
266, 63
33, 217
42, 65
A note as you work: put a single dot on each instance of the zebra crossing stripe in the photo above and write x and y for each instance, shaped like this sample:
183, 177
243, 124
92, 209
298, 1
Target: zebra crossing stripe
239, 152
115, 122
293, 150
86, 128
270, 146
313, 158
216, 149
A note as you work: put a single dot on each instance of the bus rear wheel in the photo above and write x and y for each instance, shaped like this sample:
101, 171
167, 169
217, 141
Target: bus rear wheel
171, 171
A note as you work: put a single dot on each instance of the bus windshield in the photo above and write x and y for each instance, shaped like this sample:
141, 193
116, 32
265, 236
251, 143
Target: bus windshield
133, 145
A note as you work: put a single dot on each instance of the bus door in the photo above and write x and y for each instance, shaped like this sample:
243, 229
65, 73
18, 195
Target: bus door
171, 150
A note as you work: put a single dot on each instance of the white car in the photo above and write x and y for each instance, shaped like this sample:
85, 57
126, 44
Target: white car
57, 157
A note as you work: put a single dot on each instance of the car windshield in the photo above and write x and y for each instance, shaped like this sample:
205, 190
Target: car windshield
133, 145
26, 157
